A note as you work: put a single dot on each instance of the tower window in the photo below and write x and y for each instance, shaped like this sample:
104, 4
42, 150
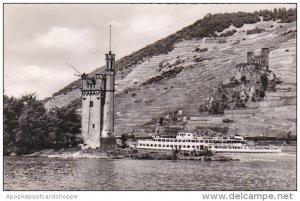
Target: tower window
93, 125
91, 104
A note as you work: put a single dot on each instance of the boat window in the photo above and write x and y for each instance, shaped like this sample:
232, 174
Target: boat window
175, 140
151, 145
147, 144
183, 146
179, 140
183, 140
201, 141
171, 145
167, 140
189, 135
167, 145
163, 145
193, 146
158, 140
206, 141
188, 146
193, 140
159, 145
155, 145
162, 140
188, 140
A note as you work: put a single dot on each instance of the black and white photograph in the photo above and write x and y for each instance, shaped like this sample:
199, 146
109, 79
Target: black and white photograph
150, 97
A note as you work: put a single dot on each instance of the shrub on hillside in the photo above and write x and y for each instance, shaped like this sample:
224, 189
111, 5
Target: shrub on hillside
165, 75
228, 33
254, 31
197, 49
264, 81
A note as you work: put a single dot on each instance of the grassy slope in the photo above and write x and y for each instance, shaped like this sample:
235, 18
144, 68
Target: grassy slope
194, 84
205, 27
138, 103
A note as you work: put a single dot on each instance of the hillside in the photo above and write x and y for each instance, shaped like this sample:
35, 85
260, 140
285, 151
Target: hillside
173, 76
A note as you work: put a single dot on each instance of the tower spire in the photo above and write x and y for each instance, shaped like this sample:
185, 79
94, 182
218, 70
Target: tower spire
107, 135
110, 38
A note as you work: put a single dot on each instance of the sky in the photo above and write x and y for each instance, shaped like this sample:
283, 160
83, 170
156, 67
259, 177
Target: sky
39, 39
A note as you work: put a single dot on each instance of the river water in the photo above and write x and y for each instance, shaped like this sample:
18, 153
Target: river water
252, 172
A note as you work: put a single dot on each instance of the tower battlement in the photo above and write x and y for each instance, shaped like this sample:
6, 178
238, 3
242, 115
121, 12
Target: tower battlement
96, 83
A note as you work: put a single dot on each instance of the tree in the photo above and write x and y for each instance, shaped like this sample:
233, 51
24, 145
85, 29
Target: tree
32, 129
161, 121
124, 138
261, 94
264, 81
64, 127
12, 109
244, 79
28, 127
203, 108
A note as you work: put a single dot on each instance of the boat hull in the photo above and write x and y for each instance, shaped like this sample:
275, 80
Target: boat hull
249, 151
229, 151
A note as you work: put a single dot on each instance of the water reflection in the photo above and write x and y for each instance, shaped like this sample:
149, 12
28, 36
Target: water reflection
252, 172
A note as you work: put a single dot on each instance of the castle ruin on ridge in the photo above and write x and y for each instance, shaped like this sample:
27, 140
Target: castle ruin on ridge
254, 62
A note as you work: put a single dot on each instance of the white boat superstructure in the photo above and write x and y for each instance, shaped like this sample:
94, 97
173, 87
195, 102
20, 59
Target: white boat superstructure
188, 141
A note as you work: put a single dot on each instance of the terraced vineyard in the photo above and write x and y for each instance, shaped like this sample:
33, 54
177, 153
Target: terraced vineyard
184, 78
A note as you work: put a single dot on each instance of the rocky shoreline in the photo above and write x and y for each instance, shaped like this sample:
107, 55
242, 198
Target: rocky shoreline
118, 153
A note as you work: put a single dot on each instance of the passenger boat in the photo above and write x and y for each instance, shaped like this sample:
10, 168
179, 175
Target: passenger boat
188, 141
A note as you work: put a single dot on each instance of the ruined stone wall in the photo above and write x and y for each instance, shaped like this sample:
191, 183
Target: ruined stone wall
262, 59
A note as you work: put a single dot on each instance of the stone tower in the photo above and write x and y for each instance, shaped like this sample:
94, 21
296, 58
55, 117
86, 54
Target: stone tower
93, 92
107, 135
98, 106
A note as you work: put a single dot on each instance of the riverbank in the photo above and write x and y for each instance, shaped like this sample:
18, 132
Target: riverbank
135, 154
